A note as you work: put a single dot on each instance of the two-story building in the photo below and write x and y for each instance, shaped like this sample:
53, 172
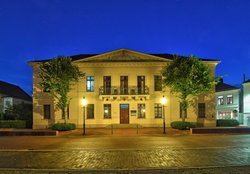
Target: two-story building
121, 87
228, 101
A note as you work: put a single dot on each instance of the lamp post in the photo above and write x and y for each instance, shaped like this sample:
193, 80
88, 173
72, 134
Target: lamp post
84, 104
163, 102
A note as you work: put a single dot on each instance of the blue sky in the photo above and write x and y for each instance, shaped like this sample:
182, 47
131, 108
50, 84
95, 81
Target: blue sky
42, 29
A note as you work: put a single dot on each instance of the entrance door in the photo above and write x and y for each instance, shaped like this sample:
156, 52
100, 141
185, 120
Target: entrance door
124, 114
141, 84
107, 85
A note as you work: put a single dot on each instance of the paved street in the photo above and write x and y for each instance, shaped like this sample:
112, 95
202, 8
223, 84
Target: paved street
125, 152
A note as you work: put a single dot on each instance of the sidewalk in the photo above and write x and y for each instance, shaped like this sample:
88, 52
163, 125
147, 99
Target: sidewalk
125, 132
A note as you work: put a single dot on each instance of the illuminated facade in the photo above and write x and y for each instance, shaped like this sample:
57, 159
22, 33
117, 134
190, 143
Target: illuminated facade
246, 102
120, 87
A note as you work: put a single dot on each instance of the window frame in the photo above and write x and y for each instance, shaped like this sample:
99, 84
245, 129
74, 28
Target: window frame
158, 110
109, 108
90, 83
92, 111
201, 110
141, 107
45, 116
229, 99
157, 83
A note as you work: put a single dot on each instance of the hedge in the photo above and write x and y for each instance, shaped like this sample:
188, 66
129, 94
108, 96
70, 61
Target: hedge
182, 125
227, 123
63, 126
19, 124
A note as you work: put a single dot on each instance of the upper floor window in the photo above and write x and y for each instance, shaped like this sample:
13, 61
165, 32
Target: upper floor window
107, 110
158, 83
201, 110
158, 110
90, 83
220, 100
229, 99
141, 111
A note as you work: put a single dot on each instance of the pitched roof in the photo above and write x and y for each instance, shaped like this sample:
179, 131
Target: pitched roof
224, 87
14, 91
83, 56
247, 81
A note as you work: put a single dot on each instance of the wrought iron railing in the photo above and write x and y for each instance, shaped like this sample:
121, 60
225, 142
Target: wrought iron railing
131, 90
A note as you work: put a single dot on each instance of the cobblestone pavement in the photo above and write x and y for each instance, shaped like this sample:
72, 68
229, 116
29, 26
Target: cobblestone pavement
122, 153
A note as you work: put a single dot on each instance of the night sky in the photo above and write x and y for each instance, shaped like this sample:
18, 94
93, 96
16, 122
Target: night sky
42, 29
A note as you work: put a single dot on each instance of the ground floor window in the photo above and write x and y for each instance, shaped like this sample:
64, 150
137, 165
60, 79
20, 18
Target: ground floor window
46, 111
90, 111
201, 110
158, 110
224, 115
107, 110
141, 110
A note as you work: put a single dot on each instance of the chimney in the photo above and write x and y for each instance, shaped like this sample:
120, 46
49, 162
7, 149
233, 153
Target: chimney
244, 77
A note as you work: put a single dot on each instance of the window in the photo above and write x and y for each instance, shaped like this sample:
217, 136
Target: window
141, 84
107, 110
229, 99
158, 110
220, 100
158, 83
107, 85
182, 112
90, 83
141, 111
201, 110
90, 111
46, 112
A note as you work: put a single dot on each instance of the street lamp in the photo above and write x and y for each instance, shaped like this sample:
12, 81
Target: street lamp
84, 104
163, 102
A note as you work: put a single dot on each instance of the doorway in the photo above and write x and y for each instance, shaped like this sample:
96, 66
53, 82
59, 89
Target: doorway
124, 113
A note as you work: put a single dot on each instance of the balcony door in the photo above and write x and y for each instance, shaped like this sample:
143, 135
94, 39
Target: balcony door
141, 84
124, 85
107, 85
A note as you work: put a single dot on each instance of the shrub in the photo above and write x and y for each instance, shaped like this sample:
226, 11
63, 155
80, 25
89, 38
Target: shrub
182, 125
63, 126
19, 124
227, 122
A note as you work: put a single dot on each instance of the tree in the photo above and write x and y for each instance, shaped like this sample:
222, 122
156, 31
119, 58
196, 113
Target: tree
57, 76
187, 77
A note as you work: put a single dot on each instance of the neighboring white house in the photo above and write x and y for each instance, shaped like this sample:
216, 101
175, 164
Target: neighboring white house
246, 102
227, 101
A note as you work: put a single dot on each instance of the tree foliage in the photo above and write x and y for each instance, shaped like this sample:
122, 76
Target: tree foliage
57, 76
187, 77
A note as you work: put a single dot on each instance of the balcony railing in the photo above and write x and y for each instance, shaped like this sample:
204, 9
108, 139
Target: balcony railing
131, 90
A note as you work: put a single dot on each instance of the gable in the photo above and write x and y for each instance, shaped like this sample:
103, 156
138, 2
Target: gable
122, 55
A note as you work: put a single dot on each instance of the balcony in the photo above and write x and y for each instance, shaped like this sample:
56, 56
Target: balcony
116, 92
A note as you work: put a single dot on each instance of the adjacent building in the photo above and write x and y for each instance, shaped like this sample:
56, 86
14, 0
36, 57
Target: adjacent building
228, 105
12, 95
246, 102
121, 87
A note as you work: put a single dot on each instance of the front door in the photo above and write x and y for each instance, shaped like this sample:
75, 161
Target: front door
124, 114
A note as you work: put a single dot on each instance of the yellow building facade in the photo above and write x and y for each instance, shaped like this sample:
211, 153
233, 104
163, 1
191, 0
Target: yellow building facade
120, 87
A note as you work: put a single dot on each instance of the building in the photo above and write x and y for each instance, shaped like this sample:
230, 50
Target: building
121, 87
246, 102
12, 95
228, 103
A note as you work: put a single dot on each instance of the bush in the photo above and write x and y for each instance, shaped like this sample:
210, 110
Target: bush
63, 126
19, 124
227, 123
182, 125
